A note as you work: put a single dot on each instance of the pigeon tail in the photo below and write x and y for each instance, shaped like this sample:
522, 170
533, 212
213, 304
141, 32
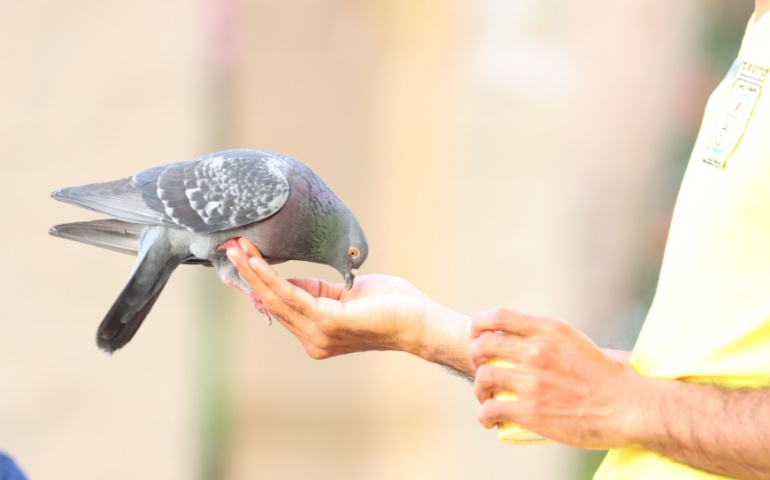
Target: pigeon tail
153, 269
112, 234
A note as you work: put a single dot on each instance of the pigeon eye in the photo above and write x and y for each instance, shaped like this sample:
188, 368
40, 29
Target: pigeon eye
353, 252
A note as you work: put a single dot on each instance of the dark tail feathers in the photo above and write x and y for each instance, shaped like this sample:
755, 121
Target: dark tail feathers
152, 271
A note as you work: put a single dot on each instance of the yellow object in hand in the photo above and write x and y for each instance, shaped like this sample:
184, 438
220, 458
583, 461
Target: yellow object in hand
509, 432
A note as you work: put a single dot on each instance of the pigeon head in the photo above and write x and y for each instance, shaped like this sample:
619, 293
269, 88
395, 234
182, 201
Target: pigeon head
339, 242
356, 254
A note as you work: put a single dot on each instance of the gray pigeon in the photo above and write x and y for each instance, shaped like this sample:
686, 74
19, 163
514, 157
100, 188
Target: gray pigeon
190, 212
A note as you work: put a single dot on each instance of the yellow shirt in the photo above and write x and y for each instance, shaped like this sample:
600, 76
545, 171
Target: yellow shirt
710, 320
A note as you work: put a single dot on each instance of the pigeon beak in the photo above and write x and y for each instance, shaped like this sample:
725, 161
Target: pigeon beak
349, 277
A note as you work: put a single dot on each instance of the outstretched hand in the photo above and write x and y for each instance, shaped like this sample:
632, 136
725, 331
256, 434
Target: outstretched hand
379, 312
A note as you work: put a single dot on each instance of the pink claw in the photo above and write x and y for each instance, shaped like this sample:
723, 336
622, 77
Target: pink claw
233, 242
257, 302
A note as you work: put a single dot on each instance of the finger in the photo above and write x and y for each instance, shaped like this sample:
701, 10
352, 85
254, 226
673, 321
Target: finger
508, 321
493, 346
282, 303
247, 270
492, 412
319, 288
287, 302
240, 259
490, 380
249, 247
293, 307
489, 321
280, 296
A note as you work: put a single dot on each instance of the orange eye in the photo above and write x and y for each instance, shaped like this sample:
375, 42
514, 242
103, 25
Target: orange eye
353, 252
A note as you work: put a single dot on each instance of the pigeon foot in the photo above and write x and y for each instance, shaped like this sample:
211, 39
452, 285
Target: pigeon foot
256, 300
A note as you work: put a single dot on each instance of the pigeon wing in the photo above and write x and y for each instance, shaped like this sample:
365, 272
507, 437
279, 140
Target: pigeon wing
217, 192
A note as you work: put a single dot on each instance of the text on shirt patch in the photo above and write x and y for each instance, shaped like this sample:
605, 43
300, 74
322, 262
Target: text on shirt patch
735, 115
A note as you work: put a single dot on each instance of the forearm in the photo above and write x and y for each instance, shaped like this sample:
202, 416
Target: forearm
709, 428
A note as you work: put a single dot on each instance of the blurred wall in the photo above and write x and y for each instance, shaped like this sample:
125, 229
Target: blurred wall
91, 91
496, 152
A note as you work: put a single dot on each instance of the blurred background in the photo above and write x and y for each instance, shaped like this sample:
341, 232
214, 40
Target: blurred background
497, 152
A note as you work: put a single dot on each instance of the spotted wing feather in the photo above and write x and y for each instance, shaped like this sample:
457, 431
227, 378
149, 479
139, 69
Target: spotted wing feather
217, 192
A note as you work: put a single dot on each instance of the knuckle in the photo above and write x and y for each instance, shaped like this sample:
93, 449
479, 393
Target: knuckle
537, 352
560, 327
529, 388
501, 313
482, 349
316, 353
481, 393
488, 340
496, 311
492, 315
484, 415
531, 351
323, 342
476, 352
484, 378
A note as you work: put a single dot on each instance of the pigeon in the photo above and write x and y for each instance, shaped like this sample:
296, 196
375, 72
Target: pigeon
190, 212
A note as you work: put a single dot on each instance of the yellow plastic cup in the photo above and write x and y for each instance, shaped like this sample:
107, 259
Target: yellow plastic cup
509, 432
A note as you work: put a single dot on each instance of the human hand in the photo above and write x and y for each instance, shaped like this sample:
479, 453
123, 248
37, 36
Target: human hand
379, 312
568, 389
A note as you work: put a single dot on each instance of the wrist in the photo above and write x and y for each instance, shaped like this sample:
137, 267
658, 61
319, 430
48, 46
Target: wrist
443, 338
635, 421
622, 356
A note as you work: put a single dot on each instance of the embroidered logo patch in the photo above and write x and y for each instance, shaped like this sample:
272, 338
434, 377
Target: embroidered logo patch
735, 115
